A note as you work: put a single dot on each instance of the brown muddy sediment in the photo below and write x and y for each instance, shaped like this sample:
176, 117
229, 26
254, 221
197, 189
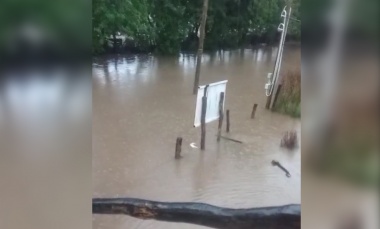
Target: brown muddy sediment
142, 103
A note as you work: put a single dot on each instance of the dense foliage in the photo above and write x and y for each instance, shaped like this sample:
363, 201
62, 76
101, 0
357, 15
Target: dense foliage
44, 27
168, 26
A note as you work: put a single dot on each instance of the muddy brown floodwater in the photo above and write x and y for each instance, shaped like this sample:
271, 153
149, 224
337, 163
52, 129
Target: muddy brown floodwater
142, 103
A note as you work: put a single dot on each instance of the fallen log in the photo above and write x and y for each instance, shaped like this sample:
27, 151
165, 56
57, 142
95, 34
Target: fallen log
284, 217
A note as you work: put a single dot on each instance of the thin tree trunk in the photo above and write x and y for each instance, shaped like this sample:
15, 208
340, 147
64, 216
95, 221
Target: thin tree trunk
200, 48
278, 217
114, 41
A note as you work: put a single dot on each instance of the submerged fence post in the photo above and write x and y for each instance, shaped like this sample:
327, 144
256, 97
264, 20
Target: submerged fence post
221, 114
203, 118
253, 111
228, 121
203, 122
269, 99
178, 147
276, 96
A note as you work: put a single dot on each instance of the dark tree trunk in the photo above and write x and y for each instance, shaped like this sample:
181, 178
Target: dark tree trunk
200, 46
114, 42
278, 217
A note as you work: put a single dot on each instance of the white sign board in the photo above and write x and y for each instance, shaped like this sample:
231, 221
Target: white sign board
213, 95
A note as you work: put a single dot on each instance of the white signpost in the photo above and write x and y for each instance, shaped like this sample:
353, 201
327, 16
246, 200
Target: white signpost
213, 96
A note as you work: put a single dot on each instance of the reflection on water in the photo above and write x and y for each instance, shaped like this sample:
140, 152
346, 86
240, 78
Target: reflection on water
142, 103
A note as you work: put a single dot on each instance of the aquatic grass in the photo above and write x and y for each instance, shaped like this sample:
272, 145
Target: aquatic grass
289, 99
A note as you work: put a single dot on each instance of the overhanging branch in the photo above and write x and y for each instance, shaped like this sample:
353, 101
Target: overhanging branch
284, 217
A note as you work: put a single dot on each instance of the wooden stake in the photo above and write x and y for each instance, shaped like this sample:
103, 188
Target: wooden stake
269, 99
253, 111
178, 147
276, 96
203, 117
228, 121
221, 114
203, 122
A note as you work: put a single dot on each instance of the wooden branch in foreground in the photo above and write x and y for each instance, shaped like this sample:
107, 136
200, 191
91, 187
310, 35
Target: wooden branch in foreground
279, 217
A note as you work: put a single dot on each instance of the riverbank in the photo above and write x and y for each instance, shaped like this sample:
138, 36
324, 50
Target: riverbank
109, 52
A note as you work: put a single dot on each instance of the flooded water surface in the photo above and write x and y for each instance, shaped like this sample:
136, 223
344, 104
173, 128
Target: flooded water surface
142, 103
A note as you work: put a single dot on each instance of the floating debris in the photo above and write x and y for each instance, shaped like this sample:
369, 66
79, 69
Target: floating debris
289, 140
192, 145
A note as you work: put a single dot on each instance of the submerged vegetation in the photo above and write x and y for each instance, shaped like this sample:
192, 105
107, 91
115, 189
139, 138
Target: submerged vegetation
169, 26
289, 140
289, 99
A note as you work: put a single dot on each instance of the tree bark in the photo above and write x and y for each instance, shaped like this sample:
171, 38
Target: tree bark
278, 217
200, 48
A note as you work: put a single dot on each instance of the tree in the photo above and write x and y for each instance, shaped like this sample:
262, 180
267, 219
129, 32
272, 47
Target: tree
129, 17
295, 20
169, 25
202, 32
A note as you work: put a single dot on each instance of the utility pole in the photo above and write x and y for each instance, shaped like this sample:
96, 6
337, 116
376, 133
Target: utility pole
200, 45
276, 71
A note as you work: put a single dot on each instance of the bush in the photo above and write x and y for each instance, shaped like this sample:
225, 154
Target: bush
289, 140
289, 99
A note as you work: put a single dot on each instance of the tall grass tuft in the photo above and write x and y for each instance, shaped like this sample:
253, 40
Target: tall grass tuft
289, 99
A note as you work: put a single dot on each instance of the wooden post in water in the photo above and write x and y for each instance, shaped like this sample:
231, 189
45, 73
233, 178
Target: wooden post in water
178, 147
253, 111
203, 122
228, 121
200, 46
276, 96
221, 114
269, 99
203, 118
